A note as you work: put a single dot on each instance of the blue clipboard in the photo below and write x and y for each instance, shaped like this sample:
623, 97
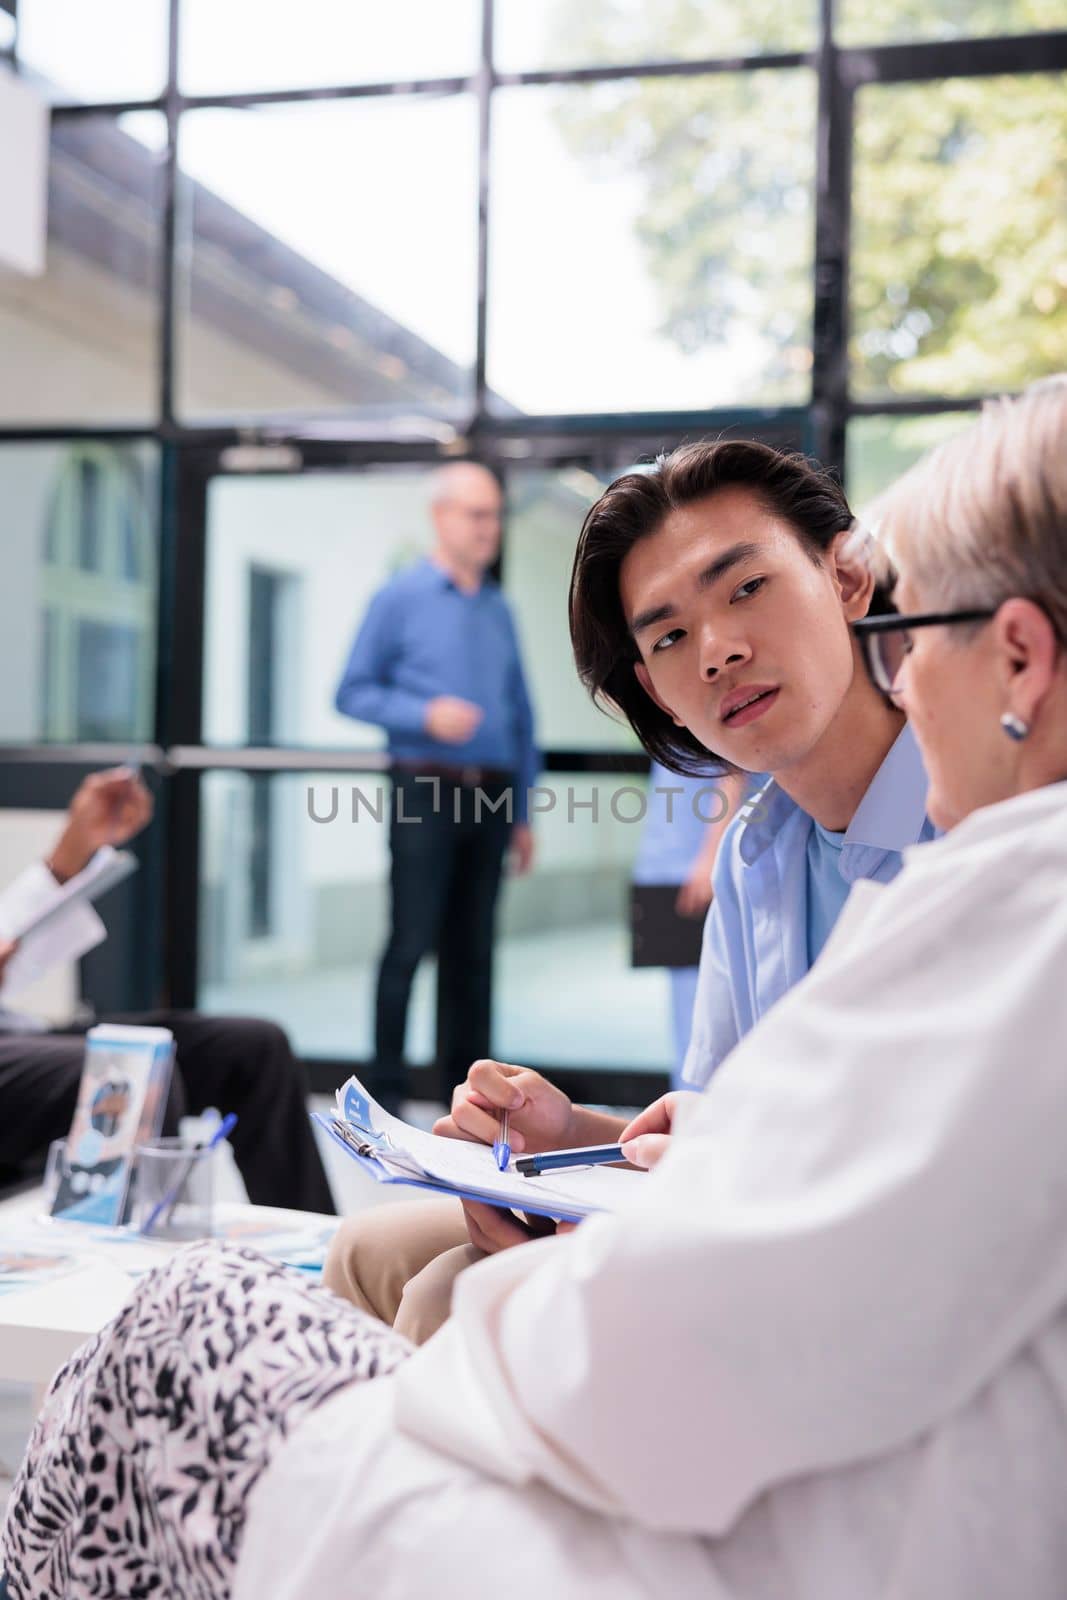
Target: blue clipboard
380, 1175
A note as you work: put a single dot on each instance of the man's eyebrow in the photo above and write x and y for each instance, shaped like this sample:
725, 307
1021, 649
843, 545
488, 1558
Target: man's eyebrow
646, 619
711, 574
729, 559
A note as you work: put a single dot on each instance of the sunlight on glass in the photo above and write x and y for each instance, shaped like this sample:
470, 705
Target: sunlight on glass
881, 449
890, 21
651, 245
558, 33
330, 257
358, 530
80, 344
103, 50
544, 516
959, 240
244, 45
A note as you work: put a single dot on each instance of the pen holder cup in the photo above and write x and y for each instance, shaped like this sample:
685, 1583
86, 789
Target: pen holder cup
175, 1190
56, 1171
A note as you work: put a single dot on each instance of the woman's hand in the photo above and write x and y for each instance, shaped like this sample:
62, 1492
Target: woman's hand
541, 1116
645, 1140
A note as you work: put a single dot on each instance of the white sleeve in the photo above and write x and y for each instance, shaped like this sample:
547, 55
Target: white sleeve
817, 1272
65, 938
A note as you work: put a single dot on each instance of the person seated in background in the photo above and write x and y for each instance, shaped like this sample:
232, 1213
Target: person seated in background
824, 1350
233, 1063
710, 604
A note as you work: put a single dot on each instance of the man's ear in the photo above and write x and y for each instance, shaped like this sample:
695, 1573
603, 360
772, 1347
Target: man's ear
853, 576
645, 680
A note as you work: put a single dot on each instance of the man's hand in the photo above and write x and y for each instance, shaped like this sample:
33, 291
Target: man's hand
694, 896
451, 720
522, 849
541, 1116
492, 1229
645, 1140
7, 950
108, 808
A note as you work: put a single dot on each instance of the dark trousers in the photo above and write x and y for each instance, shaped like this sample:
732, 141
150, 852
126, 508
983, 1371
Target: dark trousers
444, 882
235, 1063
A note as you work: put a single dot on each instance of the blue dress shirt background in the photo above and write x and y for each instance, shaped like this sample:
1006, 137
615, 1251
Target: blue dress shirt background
430, 633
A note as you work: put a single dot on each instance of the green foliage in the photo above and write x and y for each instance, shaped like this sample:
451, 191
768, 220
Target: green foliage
959, 260
959, 263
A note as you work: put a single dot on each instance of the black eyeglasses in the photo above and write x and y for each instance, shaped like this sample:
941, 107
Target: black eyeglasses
887, 640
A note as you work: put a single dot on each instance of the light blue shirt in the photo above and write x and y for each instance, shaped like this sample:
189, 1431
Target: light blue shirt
827, 889
756, 934
422, 637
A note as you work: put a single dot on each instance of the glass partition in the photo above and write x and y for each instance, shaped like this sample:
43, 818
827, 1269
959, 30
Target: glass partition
329, 258
243, 46
88, 50
881, 449
545, 512
959, 256
79, 345
294, 914
560, 34
292, 564
651, 246
860, 22
80, 592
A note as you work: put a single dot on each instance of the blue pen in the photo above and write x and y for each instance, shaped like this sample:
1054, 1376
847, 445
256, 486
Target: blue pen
501, 1148
170, 1199
559, 1160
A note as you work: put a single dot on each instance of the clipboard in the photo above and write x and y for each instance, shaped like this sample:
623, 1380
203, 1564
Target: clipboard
659, 937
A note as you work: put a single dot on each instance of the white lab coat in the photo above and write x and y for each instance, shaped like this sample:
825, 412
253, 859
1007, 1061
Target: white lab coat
824, 1355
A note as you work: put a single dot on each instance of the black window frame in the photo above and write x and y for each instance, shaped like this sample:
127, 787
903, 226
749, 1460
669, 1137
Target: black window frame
164, 966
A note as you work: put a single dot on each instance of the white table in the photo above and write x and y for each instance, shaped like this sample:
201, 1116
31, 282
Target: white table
40, 1327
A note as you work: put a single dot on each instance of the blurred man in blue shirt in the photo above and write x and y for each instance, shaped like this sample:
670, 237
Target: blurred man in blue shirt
436, 664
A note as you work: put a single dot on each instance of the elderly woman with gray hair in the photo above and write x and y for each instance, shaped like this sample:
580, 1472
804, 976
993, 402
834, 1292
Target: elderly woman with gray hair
824, 1354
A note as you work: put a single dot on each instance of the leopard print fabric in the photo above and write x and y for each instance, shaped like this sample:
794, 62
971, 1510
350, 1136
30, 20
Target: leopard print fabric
137, 1477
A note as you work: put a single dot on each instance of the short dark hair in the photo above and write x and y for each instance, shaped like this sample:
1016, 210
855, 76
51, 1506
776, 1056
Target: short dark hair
790, 485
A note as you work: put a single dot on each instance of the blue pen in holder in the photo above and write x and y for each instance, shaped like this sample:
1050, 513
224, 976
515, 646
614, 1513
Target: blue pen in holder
175, 1189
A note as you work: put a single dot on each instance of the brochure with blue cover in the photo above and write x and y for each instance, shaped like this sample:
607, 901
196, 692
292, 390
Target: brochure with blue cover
121, 1099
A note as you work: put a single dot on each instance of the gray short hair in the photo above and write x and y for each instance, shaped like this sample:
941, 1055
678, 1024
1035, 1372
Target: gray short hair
983, 518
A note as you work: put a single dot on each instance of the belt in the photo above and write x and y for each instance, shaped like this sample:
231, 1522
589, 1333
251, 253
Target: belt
469, 777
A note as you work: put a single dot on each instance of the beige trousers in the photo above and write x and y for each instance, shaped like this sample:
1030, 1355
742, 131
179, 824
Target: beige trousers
400, 1262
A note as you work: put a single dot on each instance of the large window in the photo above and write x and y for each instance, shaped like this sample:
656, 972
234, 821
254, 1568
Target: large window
959, 265
93, 50
299, 256
652, 243
80, 344
247, 45
329, 259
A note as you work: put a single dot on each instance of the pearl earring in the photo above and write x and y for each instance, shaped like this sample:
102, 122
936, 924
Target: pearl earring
1014, 726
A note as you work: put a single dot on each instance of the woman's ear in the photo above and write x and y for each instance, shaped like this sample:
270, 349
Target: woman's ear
852, 574
1029, 655
645, 680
